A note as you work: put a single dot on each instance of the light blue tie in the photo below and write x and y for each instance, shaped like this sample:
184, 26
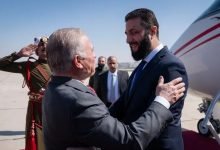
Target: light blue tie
112, 89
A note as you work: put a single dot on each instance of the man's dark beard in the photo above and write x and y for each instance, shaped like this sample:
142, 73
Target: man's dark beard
143, 50
100, 66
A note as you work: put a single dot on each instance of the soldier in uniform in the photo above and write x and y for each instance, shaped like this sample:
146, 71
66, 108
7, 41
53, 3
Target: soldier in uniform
36, 73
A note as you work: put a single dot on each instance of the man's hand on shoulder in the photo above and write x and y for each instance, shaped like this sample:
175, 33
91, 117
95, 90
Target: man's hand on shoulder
172, 90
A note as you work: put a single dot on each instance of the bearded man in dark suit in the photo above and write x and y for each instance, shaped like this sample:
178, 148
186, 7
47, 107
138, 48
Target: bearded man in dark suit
142, 31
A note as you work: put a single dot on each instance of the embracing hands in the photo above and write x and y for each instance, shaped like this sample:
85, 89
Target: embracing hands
172, 90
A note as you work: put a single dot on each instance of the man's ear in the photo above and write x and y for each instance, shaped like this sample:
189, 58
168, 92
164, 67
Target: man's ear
153, 31
77, 62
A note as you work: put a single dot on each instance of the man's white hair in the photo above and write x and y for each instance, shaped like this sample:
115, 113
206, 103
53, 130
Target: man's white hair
62, 46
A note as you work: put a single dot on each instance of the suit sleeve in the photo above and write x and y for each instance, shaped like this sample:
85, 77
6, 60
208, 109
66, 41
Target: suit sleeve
95, 127
99, 87
172, 71
127, 76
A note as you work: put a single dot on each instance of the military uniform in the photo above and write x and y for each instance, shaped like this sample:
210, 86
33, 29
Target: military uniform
36, 76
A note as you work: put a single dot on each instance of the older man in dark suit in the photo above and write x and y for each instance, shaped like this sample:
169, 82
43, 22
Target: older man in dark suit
142, 31
74, 117
112, 83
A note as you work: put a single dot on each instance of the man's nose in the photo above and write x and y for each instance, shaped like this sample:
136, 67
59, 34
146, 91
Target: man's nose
129, 39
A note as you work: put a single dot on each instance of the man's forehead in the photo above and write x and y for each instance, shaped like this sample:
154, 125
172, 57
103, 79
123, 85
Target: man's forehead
133, 24
101, 59
112, 59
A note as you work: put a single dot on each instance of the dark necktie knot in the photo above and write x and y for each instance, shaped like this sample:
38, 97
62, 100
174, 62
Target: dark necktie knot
141, 65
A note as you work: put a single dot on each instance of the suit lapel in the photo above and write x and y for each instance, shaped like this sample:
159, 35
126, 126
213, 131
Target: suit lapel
130, 79
105, 83
119, 75
148, 69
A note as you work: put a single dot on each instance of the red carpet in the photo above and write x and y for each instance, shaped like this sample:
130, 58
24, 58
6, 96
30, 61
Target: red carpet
194, 141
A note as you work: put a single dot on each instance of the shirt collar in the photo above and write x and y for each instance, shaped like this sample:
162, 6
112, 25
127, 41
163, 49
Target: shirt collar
115, 73
150, 56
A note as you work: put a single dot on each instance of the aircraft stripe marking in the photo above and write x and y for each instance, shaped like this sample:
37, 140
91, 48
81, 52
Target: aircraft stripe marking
209, 39
197, 37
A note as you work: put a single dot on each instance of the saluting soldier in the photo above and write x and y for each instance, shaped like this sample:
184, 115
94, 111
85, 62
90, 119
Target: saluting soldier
36, 73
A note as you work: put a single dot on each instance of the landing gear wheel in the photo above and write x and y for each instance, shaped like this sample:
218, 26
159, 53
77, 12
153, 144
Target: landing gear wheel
216, 125
203, 130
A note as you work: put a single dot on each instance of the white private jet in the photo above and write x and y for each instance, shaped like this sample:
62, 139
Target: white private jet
199, 49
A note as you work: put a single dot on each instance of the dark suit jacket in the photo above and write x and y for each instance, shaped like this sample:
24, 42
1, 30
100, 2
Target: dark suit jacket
132, 104
73, 116
102, 90
93, 80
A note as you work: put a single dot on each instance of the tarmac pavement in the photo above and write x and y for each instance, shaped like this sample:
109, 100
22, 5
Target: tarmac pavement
13, 105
